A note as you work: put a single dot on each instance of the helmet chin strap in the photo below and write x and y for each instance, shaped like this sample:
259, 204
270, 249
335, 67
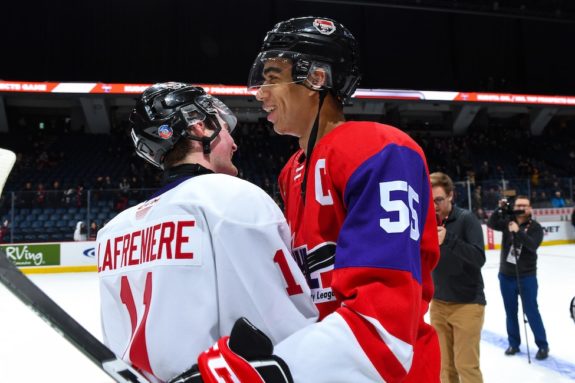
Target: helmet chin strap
311, 142
206, 145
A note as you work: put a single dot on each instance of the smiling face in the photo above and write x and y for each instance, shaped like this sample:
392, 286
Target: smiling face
288, 104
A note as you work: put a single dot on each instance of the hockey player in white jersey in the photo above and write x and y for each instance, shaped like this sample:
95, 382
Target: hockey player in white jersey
177, 270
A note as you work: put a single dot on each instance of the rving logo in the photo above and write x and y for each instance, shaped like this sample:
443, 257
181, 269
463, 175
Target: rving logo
33, 254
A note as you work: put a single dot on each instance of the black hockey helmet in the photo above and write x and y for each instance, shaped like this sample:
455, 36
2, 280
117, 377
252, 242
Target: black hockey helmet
163, 113
309, 43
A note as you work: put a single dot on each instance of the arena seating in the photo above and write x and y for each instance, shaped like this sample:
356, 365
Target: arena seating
88, 170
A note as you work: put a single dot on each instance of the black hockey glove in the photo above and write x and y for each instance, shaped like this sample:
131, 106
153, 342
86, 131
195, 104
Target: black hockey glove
246, 355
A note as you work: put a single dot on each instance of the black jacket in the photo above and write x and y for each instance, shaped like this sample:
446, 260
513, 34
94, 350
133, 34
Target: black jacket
457, 277
528, 239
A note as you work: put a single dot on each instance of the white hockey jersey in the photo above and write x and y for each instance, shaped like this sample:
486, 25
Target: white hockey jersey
177, 270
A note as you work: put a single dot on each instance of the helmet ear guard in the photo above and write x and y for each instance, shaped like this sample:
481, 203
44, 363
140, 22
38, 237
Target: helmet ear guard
163, 114
319, 76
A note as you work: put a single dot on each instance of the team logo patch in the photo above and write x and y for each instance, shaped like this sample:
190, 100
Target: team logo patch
143, 209
165, 132
325, 27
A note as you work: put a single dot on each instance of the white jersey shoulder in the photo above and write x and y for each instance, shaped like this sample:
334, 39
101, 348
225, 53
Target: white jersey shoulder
177, 270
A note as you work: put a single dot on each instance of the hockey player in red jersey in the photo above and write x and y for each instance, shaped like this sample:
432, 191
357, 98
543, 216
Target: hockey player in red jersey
178, 270
358, 201
359, 204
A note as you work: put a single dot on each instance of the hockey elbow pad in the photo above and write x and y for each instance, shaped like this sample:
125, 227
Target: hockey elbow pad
245, 356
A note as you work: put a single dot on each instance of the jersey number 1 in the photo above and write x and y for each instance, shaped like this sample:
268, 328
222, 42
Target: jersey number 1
138, 346
292, 287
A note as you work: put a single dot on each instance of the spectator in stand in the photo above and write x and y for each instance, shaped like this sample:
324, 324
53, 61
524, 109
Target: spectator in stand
69, 197
477, 198
80, 234
98, 187
108, 183
124, 186
80, 199
557, 200
93, 231
43, 160
54, 196
40, 199
535, 176
491, 198
546, 202
121, 202
4, 231
27, 195
135, 186
481, 215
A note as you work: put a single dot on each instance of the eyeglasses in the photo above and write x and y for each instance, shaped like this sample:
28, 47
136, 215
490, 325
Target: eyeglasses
438, 200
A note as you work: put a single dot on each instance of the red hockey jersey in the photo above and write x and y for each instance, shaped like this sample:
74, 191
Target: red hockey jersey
366, 240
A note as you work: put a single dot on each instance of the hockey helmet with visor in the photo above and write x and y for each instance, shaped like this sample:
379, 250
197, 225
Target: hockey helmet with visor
163, 113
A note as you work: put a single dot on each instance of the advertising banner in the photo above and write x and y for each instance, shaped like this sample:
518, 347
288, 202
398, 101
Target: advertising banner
33, 255
81, 253
554, 233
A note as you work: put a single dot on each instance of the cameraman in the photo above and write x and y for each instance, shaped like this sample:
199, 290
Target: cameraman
522, 235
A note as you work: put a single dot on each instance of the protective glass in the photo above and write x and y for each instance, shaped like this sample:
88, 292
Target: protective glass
214, 106
163, 107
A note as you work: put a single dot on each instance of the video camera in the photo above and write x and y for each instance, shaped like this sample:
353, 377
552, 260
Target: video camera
508, 212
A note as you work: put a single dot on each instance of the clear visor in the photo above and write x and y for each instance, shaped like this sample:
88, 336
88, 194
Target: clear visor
284, 67
193, 105
214, 106
167, 106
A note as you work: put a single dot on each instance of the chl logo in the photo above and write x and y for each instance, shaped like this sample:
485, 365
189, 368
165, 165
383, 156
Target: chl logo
165, 132
325, 27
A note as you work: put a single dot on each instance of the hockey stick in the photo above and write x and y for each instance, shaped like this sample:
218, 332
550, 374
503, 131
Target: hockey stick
54, 315
63, 323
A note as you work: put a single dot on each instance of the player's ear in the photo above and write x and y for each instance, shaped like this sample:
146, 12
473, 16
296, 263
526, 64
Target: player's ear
198, 129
